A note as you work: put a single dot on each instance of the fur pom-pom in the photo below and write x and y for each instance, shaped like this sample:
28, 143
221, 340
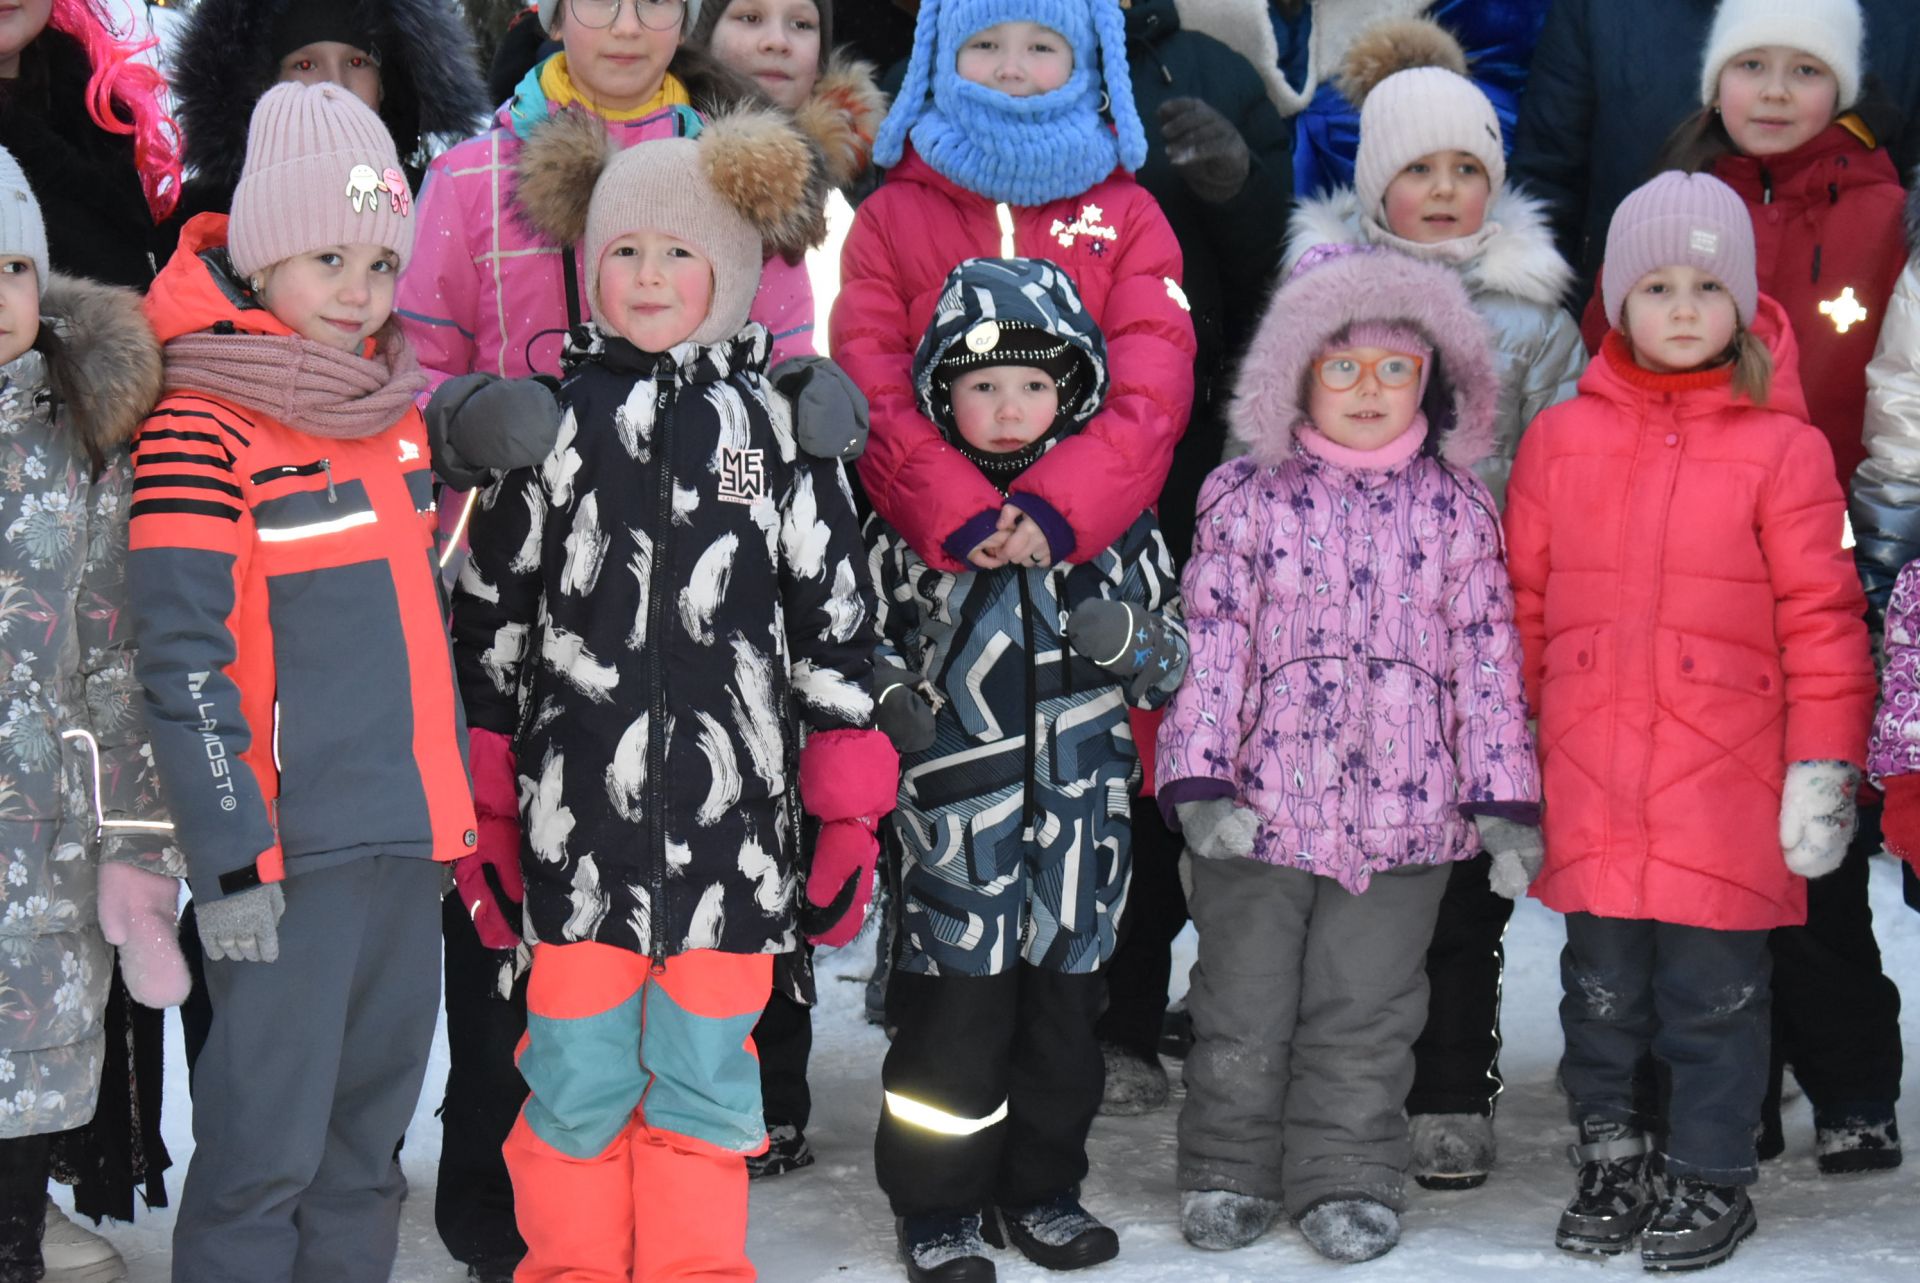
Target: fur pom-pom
769, 172
1399, 45
842, 116
553, 178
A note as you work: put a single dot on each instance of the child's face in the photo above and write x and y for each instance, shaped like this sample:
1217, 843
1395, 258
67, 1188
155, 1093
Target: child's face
1363, 397
618, 50
654, 290
19, 306
1773, 99
339, 295
1439, 197
1679, 318
999, 409
1020, 59
330, 61
776, 42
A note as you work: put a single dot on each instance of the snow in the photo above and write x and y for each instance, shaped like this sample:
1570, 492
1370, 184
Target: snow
830, 1221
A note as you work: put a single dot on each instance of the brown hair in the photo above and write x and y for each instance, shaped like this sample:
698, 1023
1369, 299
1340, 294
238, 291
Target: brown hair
1700, 141
1752, 363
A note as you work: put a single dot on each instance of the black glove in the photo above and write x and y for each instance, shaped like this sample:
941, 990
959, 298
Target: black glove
829, 411
899, 710
479, 424
1205, 149
1136, 647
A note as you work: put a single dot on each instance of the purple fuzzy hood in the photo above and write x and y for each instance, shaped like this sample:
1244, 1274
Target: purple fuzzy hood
1323, 298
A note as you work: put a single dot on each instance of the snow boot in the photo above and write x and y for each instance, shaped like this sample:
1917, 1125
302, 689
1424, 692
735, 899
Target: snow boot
1350, 1228
1220, 1220
74, 1254
495, 1270
1135, 1084
1611, 1200
944, 1247
1451, 1151
787, 1151
1855, 1145
1695, 1225
1176, 1031
1058, 1234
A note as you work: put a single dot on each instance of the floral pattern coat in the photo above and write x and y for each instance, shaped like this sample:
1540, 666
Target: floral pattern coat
76, 775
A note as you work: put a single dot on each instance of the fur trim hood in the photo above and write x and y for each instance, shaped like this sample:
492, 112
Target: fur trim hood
842, 117
1320, 302
1520, 260
1244, 27
429, 73
108, 367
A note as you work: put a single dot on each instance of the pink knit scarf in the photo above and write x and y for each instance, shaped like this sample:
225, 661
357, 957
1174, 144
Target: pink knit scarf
304, 384
1378, 459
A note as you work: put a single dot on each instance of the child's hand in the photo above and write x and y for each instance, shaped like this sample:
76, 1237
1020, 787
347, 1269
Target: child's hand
1205, 149
899, 710
1134, 646
1818, 816
1218, 828
1517, 854
986, 553
1900, 821
829, 410
1025, 543
478, 425
244, 927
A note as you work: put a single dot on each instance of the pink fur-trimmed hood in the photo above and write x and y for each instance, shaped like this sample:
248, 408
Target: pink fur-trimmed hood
1323, 298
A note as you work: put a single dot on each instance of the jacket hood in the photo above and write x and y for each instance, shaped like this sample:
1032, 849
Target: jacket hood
1316, 305
199, 289
843, 115
1520, 260
1770, 324
429, 75
109, 361
1245, 27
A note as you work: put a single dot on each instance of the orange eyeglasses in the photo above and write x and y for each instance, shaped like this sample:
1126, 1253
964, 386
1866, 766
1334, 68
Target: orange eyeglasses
1342, 373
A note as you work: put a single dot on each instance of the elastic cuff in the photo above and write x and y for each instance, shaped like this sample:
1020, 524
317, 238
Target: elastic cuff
1515, 812
970, 535
1169, 794
1060, 538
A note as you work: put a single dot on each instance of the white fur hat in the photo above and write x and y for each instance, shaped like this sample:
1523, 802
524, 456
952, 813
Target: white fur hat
1830, 30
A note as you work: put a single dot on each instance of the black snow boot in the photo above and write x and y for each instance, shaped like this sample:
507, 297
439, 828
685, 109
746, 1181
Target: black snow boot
1855, 1145
1058, 1234
1611, 1199
944, 1247
1695, 1225
787, 1151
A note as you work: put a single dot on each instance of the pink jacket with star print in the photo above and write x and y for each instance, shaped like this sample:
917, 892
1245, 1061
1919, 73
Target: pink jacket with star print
1087, 490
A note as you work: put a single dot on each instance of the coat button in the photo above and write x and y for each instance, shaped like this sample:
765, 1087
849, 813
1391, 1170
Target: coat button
1673, 438
1686, 665
1581, 659
1766, 683
472, 837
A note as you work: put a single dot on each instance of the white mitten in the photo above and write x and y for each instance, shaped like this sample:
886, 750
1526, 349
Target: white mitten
1818, 815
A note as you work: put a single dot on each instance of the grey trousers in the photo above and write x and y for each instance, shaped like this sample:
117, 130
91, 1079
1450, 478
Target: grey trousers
310, 1075
1306, 1001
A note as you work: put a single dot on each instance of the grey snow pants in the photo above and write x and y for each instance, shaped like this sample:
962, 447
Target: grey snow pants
1306, 1001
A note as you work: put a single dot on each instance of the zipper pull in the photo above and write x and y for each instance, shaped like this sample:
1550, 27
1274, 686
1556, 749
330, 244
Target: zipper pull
326, 466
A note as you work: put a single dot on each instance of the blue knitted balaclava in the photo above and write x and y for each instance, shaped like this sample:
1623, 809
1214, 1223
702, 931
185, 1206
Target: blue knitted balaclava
1025, 151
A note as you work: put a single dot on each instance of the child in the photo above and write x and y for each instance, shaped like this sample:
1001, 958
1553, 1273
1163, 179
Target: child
306, 726
638, 612
997, 142
1430, 181
1893, 753
91, 857
1696, 653
1351, 726
1014, 810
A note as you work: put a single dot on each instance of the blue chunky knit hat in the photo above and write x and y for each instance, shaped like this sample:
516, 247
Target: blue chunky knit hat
1025, 151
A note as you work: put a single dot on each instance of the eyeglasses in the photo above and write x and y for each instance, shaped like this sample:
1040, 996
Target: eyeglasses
654, 15
1341, 373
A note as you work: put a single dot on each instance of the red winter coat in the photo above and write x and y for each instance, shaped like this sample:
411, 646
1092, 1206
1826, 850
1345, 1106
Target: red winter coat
1691, 626
1087, 490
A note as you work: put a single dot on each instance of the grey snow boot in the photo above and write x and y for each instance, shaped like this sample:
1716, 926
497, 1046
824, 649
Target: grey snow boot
1695, 1225
1220, 1220
1611, 1200
944, 1247
1855, 1145
1451, 1151
1135, 1085
1350, 1229
1058, 1234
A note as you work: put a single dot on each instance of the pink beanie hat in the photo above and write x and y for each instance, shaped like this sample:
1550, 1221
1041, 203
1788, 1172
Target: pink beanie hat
1678, 218
321, 170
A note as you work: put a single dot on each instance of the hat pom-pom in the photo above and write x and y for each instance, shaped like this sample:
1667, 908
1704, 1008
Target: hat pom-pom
1387, 48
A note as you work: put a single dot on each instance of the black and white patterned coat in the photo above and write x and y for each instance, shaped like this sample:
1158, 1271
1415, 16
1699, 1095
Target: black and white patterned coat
643, 614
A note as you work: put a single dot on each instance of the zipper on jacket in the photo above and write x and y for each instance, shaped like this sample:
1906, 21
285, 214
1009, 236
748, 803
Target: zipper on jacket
657, 731
282, 471
326, 466
1004, 216
1029, 802
1766, 185
1059, 591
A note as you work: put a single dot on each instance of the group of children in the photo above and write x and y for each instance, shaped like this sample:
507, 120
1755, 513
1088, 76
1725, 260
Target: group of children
1460, 599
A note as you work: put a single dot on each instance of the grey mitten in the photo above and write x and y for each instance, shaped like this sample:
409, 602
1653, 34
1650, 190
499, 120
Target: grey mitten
1136, 647
1517, 853
1818, 814
829, 410
900, 712
478, 424
243, 927
1218, 828
1205, 149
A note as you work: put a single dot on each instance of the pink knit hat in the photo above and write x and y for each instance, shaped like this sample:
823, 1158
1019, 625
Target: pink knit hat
1678, 218
321, 170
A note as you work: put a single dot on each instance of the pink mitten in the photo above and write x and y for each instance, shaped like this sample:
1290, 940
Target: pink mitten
139, 916
848, 780
489, 881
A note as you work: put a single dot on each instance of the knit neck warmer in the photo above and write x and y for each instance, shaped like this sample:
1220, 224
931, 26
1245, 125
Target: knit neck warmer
1618, 355
1378, 459
1024, 151
306, 385
1452, 253
1004, 469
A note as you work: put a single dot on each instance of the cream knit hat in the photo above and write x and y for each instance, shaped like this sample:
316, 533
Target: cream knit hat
22, 230
1408, 76
1830, 30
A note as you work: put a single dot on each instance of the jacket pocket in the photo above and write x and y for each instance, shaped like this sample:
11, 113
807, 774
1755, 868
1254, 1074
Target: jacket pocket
1724, 694
1708, 661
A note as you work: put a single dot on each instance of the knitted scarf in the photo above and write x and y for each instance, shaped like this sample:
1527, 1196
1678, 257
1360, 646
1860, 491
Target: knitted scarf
1025, 151
306, 385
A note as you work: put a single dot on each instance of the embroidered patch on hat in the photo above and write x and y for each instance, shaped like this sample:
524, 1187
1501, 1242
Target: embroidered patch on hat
1703, 241
396, 184
983, 337
364, 188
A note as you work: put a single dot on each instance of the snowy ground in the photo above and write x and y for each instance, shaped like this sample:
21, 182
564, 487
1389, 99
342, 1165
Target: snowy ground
830, 1222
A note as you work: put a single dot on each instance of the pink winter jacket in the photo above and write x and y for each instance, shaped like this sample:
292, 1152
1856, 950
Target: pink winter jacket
483, 291
1356, 670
